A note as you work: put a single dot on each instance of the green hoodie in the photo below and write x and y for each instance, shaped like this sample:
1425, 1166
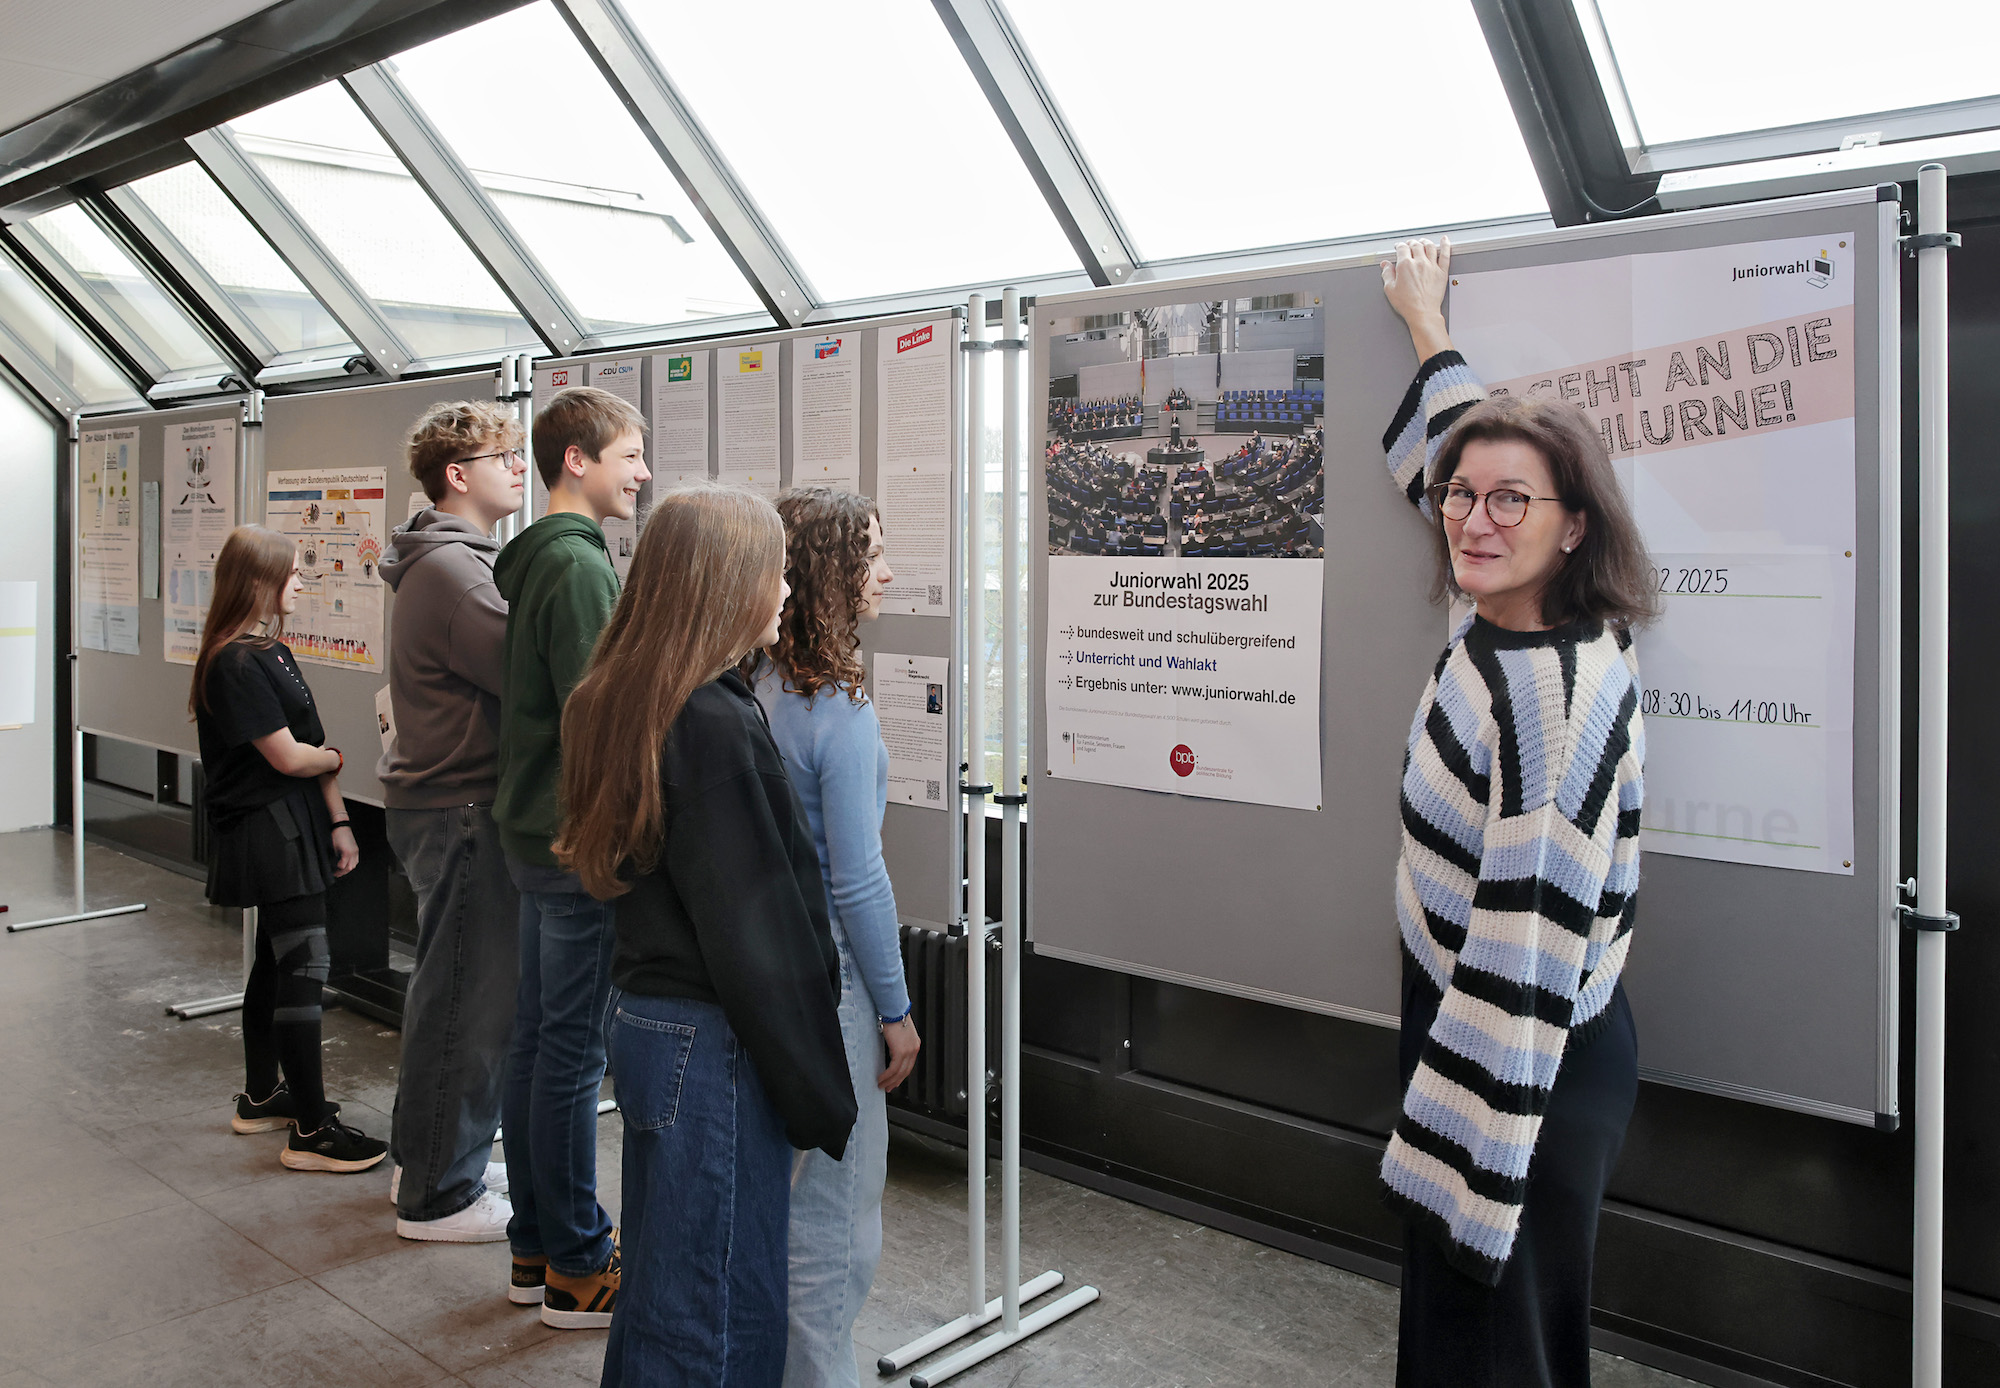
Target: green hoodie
560, 588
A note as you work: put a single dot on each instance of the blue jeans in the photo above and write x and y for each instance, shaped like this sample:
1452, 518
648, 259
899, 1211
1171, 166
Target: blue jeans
553, 1073
707, 1193
459, 1010
836, 1227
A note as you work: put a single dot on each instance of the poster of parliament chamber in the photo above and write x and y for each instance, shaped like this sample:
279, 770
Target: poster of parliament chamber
1722, 379
1185, 488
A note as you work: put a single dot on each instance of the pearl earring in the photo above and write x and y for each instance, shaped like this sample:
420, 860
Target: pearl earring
1567, 548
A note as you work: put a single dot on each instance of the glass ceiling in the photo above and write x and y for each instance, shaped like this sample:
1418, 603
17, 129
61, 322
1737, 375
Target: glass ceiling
125, 294
862, 135
344, 182
200, 216
585, 189
880, 168
1817, 62
1219, 134
55, 347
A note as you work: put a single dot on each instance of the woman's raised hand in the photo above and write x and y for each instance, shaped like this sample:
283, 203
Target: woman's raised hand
1414, 283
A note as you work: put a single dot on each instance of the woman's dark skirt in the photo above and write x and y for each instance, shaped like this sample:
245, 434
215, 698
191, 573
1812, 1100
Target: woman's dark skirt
1534, 1327
273, 853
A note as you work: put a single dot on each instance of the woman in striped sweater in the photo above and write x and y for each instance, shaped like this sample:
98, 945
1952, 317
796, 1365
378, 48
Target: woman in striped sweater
1515, 890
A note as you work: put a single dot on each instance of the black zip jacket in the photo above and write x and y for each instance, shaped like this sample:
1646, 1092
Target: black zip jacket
735, 911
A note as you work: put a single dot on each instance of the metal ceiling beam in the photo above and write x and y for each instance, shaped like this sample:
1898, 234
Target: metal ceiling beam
298, 246
1006, 72
166, 250
36, 377
273, 54
1543, 57
220, 333
663, 114
466, 204
52, 274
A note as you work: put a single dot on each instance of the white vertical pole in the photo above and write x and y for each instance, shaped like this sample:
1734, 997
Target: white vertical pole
1933, 711
524, 406
76, 657
975, 802
1010, 822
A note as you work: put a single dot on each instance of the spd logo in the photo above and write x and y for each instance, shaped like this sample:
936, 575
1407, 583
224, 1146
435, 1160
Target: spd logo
1181, 759
911, 340
558, 379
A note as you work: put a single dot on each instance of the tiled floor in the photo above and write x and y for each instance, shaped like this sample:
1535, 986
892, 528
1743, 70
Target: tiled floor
147, 1245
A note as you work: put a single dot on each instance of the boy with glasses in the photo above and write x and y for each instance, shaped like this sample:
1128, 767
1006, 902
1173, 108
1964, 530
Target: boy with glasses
590, 450
440, 773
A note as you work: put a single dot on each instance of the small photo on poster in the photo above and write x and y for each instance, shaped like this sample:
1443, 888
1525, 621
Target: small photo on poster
1189, 431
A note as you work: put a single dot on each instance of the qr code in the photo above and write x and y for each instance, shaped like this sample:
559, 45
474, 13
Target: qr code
937, 600
933, 791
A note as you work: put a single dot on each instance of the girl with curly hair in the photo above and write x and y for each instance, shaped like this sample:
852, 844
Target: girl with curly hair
811, 683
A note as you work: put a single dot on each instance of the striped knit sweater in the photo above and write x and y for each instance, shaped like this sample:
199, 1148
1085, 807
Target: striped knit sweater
1517, 881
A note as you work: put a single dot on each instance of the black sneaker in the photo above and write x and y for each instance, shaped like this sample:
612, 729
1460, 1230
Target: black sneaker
530, 1278
333, 1146
274, 1113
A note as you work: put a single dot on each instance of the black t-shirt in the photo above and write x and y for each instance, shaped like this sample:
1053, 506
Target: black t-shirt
252, 690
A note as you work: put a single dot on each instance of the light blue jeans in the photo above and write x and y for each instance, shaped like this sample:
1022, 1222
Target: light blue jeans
836, 1231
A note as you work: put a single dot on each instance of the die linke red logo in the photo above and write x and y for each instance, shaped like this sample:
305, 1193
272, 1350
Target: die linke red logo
914, 339
1181, 759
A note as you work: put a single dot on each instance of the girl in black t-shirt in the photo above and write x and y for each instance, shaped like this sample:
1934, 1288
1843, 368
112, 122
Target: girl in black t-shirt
278, 835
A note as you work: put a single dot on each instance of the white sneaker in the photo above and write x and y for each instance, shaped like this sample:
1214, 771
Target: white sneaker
495, 1178
483, 1221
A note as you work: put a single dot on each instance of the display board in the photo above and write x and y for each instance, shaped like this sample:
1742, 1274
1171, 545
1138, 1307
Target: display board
1768, 982
761, 396
342, 452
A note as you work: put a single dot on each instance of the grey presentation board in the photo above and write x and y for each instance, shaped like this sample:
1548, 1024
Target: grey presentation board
921, 847
1766, 984
143, 698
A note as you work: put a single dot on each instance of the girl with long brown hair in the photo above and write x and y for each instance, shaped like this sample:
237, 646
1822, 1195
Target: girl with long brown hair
724, 1036
811, 683
278, 836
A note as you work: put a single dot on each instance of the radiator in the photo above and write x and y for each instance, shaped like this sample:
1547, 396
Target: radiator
934, 965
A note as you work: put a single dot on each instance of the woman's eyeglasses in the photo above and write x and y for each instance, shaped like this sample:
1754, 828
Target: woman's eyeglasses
1504, 506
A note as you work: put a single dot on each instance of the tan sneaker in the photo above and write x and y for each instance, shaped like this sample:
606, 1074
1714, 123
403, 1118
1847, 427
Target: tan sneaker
582, 1303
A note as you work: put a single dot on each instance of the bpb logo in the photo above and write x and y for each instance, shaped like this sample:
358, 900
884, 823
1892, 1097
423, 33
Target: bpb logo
1181, 759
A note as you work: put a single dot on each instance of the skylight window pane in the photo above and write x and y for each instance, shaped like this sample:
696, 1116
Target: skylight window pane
348, 186
584, 189
1699, 68
860, 133
240, 261
1269, 122
59, 349
127, 294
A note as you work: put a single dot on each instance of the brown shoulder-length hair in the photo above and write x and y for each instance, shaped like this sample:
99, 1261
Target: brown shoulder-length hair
699, 595
1609, 576
250, 572
826, 562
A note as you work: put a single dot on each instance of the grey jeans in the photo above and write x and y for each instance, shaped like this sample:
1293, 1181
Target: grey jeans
459, 1011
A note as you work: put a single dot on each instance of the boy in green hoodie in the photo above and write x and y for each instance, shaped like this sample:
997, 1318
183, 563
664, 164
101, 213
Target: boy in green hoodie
556, 576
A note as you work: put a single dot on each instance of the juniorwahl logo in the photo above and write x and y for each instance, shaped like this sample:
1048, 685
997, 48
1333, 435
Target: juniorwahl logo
1817, 270
680, 369
829, 348
749, 363
914, 339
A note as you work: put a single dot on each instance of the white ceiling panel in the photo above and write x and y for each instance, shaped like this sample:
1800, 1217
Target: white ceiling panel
50, 54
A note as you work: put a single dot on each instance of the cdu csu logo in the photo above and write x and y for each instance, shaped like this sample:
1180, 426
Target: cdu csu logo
1181, 759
